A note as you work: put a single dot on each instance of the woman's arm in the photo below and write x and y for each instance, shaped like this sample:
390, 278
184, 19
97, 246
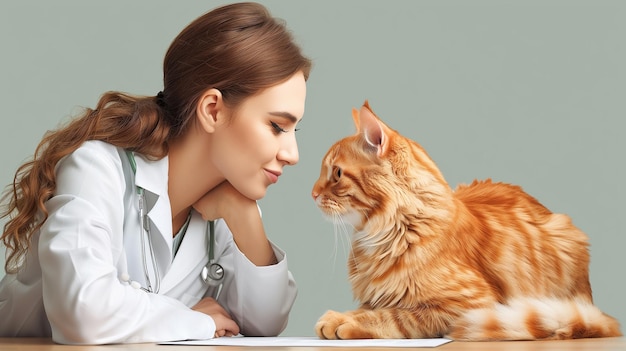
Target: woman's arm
265, 295
80, 246
262, 291
243, 219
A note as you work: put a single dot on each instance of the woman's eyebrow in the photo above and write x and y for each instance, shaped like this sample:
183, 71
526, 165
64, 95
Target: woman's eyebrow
286, 115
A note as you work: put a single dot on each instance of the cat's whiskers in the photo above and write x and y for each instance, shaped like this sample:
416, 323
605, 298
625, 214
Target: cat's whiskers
331, 212
335, 227
341, 230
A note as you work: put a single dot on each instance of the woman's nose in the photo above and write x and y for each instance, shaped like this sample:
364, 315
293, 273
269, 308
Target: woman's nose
288, 152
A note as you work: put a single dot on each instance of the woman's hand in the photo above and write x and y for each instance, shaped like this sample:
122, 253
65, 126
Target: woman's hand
224, 324
242, 216
224, 201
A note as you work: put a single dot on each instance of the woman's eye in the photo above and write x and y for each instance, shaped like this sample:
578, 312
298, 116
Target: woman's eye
277, 128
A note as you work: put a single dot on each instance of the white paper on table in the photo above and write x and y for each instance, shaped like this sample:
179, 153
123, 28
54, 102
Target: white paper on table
284, 341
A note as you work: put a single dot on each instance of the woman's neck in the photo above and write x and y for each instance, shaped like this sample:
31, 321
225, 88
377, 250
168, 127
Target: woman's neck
190, 176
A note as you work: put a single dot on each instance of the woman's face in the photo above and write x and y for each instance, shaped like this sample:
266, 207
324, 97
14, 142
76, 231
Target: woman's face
257, 139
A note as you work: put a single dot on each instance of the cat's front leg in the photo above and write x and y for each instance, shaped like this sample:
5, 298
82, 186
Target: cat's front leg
363, 324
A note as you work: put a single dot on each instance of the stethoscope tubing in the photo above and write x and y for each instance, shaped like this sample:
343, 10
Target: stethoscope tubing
212, 273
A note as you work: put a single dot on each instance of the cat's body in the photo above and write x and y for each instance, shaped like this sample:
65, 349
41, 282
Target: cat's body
483, 262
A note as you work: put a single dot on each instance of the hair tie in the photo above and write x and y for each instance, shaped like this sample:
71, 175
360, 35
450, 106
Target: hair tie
160, 99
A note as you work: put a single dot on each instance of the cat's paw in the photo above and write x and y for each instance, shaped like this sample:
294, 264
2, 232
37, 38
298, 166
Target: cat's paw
328, 325
335, 325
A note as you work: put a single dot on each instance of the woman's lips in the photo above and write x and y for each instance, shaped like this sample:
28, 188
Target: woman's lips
272, 175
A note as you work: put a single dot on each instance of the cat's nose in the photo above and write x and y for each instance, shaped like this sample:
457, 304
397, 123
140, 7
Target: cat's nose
314, 194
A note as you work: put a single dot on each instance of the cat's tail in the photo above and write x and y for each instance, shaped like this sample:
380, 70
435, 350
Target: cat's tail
535, 319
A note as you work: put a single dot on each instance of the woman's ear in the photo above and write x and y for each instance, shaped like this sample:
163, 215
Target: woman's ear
208, 106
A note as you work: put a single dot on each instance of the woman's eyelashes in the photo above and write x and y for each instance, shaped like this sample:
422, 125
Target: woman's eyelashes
278, 129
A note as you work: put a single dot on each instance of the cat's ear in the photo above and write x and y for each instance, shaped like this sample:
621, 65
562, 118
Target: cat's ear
355, 118
372, 129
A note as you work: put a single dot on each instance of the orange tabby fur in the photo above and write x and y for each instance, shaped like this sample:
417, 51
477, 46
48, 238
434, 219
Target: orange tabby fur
484, 262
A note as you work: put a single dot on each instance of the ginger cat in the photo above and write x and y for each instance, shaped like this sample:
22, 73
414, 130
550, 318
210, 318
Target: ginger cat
483, 262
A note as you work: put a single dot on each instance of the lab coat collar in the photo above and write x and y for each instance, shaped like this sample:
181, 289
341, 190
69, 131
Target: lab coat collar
152, 176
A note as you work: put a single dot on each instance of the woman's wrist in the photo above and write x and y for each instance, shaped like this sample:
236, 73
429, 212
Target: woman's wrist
249, 235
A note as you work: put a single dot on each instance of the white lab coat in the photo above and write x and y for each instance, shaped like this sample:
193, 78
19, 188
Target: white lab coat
71, 286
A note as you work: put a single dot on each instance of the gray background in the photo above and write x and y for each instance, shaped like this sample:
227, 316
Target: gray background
527, 92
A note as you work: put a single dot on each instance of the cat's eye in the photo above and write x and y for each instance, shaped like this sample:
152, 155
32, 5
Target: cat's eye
337, 173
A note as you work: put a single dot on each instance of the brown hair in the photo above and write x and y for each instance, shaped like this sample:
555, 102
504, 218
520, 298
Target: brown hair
239, 49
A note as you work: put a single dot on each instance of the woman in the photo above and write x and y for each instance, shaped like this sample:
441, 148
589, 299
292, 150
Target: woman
113, 223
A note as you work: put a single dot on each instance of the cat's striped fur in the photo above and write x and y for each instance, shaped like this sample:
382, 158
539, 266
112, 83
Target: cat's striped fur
483, 262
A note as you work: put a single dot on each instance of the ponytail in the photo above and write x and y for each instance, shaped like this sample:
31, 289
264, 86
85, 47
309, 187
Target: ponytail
131, 122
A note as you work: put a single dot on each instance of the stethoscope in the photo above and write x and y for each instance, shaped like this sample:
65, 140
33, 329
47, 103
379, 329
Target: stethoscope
212, 273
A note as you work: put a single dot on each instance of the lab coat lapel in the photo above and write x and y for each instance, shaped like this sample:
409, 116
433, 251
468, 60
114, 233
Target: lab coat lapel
192, 254
152, 176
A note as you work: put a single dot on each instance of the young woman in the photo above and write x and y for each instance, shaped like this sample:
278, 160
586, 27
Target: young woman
138, 222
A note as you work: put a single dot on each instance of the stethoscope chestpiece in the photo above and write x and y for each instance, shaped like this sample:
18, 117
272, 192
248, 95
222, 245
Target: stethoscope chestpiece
212, 274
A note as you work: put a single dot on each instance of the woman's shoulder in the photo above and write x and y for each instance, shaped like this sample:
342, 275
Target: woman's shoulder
94, 162
99, 146
94, 152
